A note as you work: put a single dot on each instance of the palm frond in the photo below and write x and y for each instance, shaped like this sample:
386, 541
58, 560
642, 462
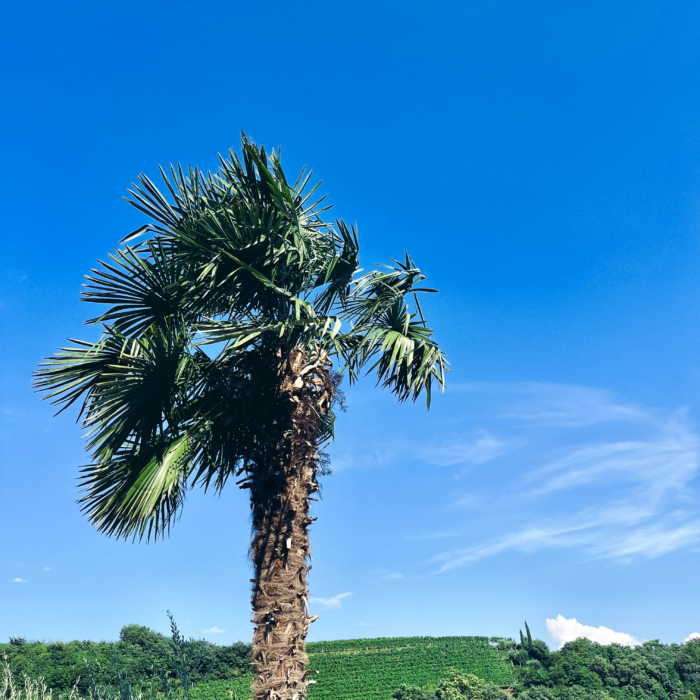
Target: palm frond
76, 371
144, 393
242, 264
141, 286
138, 494
374, 293
404, 355
340, 270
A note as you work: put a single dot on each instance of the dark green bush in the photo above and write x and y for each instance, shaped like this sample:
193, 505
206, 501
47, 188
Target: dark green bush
409, 692
585, 670
143, 658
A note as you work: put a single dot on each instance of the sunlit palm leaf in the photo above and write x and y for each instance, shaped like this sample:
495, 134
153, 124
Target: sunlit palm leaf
142, 287
137, 494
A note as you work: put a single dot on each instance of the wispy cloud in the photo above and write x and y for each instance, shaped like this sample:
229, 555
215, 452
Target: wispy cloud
19, 580
601, 534
562, 631
666, 462
363, 624
473, 448
213, 630
478, 450
391, 577
639, 480
652, 541
47, 568
434, 536
526, 540
10, 411
565, 405
342, 462
329, 603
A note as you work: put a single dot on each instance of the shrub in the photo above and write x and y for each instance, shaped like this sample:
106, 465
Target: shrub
408, 692
461, 686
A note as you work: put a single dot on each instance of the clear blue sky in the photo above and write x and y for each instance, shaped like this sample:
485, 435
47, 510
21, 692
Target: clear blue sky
540, 161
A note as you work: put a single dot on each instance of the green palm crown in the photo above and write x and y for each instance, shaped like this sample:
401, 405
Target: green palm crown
240, 261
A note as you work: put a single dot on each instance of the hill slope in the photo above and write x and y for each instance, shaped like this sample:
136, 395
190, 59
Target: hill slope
370, 669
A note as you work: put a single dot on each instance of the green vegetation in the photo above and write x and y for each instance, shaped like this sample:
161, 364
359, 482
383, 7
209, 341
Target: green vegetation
146, 664
359, 669
457, 686
146, 659
580, 670
584, 670
364, 669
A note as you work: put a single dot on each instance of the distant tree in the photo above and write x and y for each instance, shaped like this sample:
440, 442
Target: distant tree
144, 656
535, 650
151, 642
537, 693
408, 692
688, 669
461, 686
457, 686
241, 263
493, 692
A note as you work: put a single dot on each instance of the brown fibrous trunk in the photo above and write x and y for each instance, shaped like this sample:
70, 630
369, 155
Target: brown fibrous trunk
284, 479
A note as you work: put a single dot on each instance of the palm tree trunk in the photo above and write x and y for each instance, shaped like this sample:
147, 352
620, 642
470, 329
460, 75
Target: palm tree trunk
280, 494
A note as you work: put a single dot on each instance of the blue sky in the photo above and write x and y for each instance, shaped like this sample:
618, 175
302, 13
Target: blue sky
539, 161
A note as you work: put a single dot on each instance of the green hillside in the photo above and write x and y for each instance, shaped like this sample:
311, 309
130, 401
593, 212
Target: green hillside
370, 669
146, 665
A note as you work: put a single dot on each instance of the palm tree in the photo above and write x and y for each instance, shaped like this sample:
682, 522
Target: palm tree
229, 319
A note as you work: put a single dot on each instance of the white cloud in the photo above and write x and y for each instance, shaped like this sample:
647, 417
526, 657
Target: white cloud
562, 631
653, 541
391, 577
10, 411
476, 448
47, 568
434, 535
19, 580
665, 463
552, 405
329, 603
526, 540
213, 630
566, 405
633, 476
341, 463
601, 532
691, 636
462, 451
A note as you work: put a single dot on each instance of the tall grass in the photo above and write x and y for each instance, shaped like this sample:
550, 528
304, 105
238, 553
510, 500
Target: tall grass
12, 688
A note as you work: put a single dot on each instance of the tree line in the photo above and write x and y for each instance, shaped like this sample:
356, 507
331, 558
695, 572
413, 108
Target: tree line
580, 670
147, 660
